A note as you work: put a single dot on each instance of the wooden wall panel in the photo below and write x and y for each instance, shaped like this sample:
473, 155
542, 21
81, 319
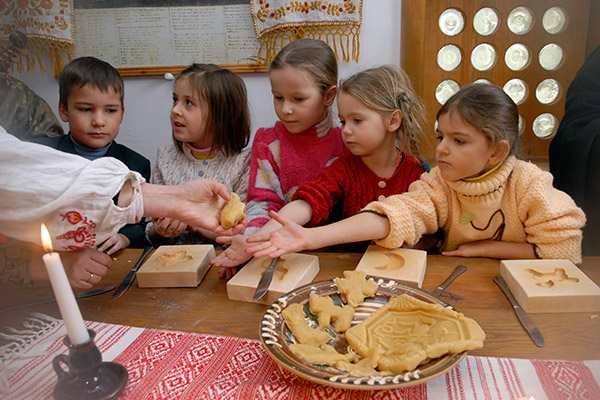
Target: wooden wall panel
421, 40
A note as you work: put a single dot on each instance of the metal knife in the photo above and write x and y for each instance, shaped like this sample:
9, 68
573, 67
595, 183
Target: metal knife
128, 280
457, 271
525, 319
265, 281
80, 295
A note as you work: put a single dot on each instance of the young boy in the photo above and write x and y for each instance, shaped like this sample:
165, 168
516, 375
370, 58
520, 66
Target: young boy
91, 101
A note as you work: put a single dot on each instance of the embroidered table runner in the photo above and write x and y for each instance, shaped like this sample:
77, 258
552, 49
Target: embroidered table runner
277, 22
179, 365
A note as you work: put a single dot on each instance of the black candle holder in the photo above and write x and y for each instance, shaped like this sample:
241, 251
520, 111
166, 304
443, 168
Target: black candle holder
88, 376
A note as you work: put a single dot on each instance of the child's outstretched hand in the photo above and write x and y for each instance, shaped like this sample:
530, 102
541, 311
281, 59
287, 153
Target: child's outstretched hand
235, 254
289, 239
472, 249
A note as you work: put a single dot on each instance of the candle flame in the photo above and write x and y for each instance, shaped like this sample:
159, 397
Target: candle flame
46, 242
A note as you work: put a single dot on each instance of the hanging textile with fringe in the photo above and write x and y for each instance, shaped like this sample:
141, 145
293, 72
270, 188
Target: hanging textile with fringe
278, 22
47, 25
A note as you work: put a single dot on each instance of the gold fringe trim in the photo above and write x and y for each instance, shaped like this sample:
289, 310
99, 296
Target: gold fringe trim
54, 49
343, 37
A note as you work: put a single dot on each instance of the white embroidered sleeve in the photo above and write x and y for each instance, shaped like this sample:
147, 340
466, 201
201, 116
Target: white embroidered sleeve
71, 195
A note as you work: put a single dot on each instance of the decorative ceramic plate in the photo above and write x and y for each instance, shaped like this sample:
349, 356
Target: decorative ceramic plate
276, 338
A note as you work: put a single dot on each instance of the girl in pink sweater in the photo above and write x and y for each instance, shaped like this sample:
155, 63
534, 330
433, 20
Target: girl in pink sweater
303, 79
489, 203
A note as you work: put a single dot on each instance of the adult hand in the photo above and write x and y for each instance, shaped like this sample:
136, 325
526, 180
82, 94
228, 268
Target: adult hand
85, 268
114, 244
289, 239
196, 203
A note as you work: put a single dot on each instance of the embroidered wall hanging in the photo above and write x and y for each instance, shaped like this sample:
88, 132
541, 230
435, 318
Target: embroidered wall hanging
278, 22
47, 26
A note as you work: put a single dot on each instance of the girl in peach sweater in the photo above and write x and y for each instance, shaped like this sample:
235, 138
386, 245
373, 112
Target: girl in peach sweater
488, 202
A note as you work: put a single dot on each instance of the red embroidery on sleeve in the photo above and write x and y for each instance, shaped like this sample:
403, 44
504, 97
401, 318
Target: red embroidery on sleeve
81, 235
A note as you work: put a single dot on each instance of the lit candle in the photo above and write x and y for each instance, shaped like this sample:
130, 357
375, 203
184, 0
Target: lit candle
65, 298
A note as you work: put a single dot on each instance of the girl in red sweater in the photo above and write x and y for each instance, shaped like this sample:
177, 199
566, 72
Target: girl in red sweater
381, 118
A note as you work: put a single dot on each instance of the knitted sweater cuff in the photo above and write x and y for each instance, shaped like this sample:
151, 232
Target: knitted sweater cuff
393, 239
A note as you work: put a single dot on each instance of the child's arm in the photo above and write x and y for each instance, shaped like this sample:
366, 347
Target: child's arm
264, 187
293, 238
494, 249
552, 220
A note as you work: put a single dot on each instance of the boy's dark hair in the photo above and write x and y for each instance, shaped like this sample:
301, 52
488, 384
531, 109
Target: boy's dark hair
89, 71
313, 56
223, 93
491, 111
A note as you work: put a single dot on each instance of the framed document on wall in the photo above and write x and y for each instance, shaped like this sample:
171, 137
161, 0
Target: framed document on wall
152, 37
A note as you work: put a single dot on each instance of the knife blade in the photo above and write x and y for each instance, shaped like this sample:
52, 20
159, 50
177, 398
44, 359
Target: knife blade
80, 295
128, 280
457, 272
525, 319
265, 281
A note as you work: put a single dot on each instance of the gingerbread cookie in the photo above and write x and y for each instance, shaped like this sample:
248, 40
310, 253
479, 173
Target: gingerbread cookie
355, 287
326, 311
296, 321
366, 366
321, 355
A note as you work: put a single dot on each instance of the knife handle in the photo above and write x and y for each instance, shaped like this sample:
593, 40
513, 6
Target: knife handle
457, 272
504, 287
141, 259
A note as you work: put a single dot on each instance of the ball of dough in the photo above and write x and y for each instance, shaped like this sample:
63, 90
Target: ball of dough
233, 212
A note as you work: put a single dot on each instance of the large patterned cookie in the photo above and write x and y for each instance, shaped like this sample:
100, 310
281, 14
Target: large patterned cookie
410, 331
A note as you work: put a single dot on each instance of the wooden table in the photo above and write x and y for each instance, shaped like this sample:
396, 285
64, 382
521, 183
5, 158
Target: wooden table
206, 309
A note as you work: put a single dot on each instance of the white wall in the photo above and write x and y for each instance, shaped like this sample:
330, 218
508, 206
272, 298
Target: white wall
148, 99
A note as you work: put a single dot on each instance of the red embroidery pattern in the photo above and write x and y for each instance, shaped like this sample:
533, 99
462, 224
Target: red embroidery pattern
176, 365
81, 235
74, 217
567, 380
188, 366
